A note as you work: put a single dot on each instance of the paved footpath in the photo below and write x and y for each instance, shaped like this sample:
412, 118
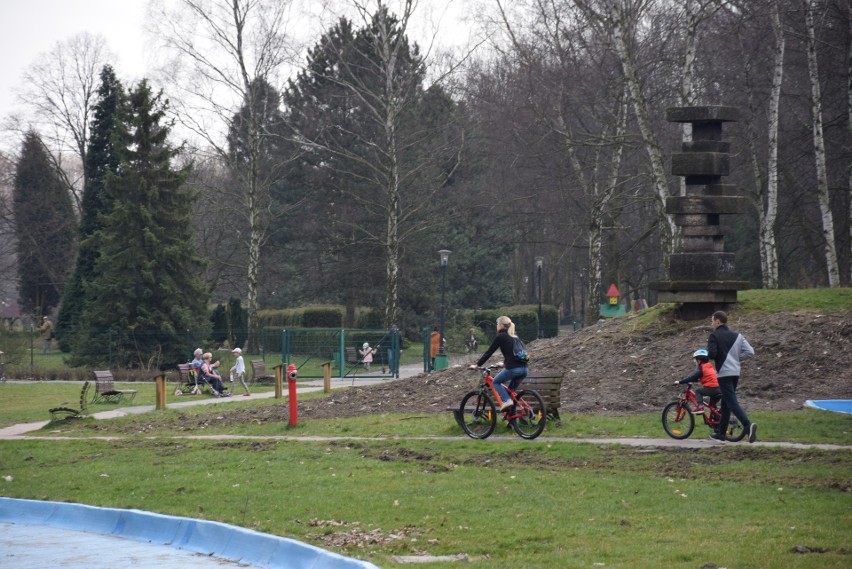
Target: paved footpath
405, 372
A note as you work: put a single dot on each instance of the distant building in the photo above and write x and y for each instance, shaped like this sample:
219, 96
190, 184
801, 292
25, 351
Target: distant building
11, 317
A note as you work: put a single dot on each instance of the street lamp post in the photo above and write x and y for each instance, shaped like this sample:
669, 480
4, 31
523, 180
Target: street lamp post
539, 261
441, 357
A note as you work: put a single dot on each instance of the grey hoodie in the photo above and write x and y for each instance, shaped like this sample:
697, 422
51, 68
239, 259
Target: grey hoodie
728, 350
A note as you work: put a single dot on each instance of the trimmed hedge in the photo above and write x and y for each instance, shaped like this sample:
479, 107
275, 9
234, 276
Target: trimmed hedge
320, 316
525, 318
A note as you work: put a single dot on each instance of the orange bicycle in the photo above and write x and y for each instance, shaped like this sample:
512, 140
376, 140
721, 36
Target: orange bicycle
478, 412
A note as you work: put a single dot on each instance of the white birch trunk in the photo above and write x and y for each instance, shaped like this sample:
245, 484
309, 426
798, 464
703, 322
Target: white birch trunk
769, 210
819, 151
687, 84
668, 229
600, 203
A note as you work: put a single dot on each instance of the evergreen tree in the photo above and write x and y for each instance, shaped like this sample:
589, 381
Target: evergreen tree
102, 158
380, 151
255, 165
146, 287
44, 225
237, 322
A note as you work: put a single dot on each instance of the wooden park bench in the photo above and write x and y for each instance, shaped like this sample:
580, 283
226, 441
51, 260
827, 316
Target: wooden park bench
548, 386
188, 381
259, 374
351, 356
105, 391
67, 412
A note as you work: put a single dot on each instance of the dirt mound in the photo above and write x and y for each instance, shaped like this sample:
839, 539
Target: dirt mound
612, 370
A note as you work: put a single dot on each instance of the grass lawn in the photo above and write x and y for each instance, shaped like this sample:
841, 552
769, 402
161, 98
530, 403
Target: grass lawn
501, 502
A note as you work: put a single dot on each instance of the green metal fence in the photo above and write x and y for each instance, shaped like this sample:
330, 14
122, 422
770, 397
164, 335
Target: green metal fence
309, 348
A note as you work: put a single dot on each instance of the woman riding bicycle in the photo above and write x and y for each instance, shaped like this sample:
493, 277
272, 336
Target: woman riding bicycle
514, 370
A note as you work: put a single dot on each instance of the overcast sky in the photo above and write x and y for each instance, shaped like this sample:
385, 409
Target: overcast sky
31, 27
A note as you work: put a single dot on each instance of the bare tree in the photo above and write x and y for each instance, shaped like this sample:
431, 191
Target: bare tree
224, 53
393, 160
8, 239
619, 21
819, 150
592, 133
60, 89
768, 207
765, 181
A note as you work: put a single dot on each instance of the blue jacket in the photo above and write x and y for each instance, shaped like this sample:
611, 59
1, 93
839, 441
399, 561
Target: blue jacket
727, 350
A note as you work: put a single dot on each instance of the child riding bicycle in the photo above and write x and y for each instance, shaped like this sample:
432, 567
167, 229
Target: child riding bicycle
706, 374
514, 370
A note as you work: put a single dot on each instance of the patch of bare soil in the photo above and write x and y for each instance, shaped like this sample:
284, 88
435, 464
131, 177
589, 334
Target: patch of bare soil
613, 371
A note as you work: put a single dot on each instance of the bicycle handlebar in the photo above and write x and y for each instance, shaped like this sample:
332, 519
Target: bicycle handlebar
486, 368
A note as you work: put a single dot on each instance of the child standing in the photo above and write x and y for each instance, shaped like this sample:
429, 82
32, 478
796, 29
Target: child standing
367, 355
706, 373
239, 371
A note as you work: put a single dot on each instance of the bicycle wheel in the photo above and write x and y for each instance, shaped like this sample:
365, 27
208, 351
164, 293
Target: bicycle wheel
735, 431
678, 422
477, 415
532, 423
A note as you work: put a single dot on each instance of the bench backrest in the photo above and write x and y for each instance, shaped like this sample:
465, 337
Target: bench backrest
104, 381
351, 356
183, 371
258, 367
549, 387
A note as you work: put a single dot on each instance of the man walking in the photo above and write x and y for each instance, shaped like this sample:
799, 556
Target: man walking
46, 330
727, 350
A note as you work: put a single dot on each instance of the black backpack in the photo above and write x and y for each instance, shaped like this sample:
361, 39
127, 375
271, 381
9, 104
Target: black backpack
520, 350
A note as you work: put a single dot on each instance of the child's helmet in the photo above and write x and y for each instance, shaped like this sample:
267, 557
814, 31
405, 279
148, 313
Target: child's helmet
365, 346
702, 353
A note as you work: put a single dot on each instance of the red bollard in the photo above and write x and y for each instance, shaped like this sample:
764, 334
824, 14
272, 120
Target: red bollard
291, 392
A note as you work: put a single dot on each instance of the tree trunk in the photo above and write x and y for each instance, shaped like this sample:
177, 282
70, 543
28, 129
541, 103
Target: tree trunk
769, 210
600, 203
668, 229
819, 151
849, 127
687, 84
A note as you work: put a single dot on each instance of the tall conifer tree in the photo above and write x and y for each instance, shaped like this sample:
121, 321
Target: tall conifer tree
102, 158
44, 224
146, 288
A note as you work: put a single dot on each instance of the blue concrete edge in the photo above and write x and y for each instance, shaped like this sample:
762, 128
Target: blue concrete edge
199, 536
836, 405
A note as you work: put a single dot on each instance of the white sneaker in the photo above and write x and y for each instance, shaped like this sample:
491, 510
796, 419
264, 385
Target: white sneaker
506, 404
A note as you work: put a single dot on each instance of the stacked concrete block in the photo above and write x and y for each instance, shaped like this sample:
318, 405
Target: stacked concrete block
702, 275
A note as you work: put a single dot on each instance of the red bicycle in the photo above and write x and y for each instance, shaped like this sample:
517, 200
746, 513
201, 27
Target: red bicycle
477, 413
679, 417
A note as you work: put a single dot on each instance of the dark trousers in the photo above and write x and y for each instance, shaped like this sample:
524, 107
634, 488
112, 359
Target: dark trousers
728, 387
